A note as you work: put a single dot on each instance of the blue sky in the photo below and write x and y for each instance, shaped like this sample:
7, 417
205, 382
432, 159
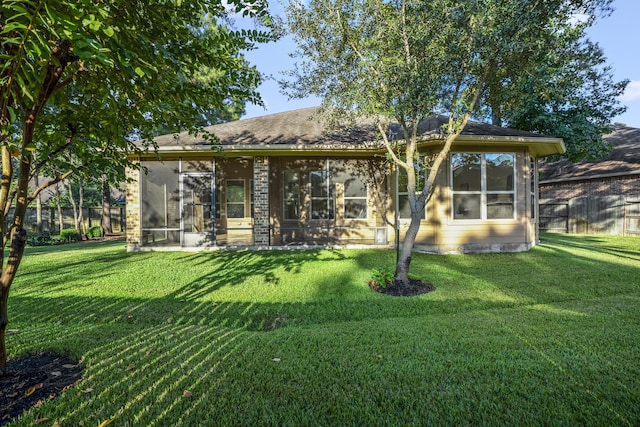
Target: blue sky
618, 35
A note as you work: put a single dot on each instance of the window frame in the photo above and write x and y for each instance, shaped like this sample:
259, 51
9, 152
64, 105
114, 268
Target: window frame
329, 198
405, 193
346, 199
243, 203
294, 197
484, 192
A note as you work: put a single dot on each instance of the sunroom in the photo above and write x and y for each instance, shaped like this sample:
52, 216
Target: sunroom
287, 180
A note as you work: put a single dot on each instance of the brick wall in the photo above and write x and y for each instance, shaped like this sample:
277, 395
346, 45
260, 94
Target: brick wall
133, 209
261, 200
628, 186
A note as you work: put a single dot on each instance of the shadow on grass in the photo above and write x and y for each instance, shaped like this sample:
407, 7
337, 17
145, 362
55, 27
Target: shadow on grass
163, 358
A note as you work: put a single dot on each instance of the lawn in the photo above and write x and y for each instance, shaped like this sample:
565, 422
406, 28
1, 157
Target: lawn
546, 337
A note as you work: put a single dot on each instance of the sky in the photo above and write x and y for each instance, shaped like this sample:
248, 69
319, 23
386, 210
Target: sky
618, 35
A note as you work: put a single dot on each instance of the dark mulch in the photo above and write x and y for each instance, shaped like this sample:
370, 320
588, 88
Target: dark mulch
398, 289
34, 379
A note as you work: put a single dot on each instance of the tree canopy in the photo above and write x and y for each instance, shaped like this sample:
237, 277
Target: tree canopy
406, 60
80, 80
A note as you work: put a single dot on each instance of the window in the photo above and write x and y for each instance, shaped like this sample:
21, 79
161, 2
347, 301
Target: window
404, 208
483, 185
291, 196
322, 198
355, 198
235, 199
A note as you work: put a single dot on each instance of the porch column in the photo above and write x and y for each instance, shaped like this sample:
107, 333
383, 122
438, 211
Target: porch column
133, 209
261, 200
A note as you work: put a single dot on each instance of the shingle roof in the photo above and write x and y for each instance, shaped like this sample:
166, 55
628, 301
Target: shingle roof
307, 127
623, 159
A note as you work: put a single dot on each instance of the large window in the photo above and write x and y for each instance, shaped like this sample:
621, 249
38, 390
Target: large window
483, 185
322, 198
291, 196
235, 198
355, 198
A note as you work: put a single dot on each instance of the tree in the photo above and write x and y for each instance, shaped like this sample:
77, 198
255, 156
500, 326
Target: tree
573, 96
82, 79
406, 60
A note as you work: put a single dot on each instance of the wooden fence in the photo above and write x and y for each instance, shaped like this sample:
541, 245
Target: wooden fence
617, 215
92, 217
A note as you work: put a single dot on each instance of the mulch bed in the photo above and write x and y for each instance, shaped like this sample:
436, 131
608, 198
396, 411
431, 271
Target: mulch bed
34, 379
398, 289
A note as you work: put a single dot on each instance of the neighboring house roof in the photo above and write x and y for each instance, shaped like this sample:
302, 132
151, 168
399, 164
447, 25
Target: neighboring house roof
624, 159
306, 130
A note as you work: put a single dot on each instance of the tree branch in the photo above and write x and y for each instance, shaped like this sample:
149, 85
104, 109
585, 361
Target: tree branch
49, 183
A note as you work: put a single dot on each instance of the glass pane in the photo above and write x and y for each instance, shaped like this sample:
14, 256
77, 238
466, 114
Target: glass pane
355, 208
499, 206
500, 171
466, 172
235, 210
235, 191
160, 195
319, 186
466, 206
354, 187
291, 188
420, 172
404, 208
320, 209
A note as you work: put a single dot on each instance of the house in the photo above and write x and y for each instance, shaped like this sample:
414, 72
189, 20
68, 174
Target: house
595, 196
289, 179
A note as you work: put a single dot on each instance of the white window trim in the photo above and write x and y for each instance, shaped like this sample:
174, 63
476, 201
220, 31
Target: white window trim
366, 200
483, 188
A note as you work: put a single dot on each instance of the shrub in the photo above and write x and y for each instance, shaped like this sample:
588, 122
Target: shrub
381, 277
40, 239
95, 231
69, 235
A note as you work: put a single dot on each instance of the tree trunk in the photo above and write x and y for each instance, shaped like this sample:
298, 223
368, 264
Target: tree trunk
106, 207
406, 249
59, 209
74, 206
18, 242
16, 250
80, 223
38, 209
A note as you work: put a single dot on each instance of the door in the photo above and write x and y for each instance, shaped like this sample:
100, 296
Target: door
197, 199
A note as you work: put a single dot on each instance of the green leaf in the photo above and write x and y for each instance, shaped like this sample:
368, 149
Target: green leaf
108, 31
139, 71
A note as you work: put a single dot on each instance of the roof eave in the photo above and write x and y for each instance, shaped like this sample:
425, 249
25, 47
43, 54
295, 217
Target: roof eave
537, 147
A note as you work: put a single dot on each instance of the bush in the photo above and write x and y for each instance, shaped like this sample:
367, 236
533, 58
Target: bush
381, 277
95, 231
40, 239
69, 235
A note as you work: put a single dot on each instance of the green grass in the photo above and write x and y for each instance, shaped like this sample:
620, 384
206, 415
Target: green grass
547, 337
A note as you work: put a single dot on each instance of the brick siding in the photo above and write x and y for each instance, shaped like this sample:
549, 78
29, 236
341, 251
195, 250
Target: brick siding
261, 200
133, 209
